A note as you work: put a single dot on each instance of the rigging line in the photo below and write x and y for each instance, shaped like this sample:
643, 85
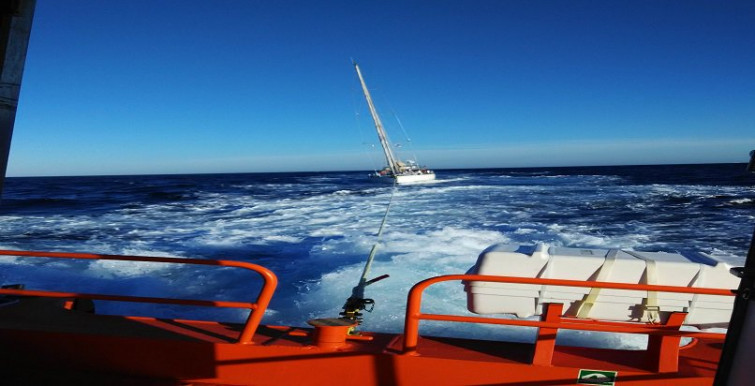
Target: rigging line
406, 135
409, 147
357, 116
387, 102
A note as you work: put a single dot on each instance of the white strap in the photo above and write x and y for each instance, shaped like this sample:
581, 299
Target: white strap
697, 281
544, 273
651, 311
603, 272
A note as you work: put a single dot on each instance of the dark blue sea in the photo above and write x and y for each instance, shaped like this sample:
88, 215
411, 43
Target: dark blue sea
315, 230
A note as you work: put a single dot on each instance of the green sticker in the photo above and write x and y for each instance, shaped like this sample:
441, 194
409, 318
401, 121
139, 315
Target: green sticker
596, 377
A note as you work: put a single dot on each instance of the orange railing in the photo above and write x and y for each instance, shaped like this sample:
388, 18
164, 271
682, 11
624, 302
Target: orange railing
664, 340
257, 309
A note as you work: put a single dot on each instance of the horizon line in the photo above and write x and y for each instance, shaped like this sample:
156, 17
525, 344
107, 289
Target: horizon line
368, 171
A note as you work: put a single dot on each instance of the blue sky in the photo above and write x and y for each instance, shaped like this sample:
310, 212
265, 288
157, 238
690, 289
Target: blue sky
135, 87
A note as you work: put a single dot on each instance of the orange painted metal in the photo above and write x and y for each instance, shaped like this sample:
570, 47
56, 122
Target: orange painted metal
126, 298
665, 349
257, 309
414, 314
75, 347
545, 342
331, 333
289, 360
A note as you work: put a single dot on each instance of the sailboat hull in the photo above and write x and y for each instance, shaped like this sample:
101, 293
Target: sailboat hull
406, 179
414, 178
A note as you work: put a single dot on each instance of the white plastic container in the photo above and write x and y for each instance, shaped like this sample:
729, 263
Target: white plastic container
603, 265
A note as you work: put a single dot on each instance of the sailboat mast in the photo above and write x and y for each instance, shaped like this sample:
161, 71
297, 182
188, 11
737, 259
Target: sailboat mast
378, 125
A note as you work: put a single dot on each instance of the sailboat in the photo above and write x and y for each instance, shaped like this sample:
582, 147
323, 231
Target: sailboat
402, 172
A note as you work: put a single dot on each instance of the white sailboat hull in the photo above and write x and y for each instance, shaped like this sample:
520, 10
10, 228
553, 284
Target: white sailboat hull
414, 178
405, 179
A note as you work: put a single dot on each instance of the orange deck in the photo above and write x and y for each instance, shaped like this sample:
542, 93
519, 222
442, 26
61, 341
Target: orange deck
53, 344
47, 338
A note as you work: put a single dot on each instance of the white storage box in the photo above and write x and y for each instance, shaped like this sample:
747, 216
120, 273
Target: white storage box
603, 265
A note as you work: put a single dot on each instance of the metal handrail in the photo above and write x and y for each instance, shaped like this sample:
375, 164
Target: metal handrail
414, 314
257, 309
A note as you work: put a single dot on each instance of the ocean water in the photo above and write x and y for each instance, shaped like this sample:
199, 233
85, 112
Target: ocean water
315, 230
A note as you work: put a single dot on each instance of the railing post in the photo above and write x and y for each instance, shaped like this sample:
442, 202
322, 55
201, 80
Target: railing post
545, 341
411, 321
263, 300
664, 349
